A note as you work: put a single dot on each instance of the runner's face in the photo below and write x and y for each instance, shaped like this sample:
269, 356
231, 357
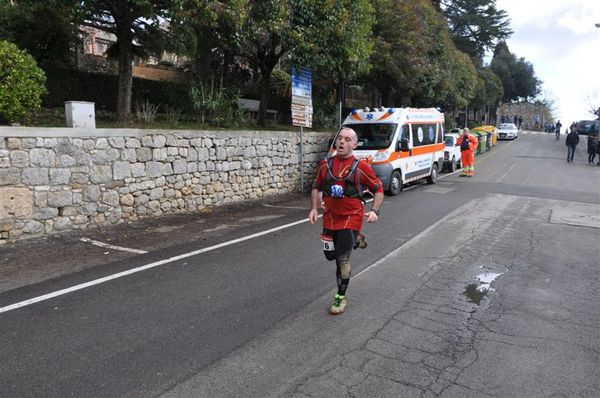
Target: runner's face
345, 143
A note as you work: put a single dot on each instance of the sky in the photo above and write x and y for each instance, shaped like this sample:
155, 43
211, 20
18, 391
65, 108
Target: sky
560, 39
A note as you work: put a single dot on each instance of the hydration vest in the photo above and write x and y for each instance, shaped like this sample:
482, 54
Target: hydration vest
353, 186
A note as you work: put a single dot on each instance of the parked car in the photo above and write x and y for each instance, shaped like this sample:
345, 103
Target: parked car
585, 126
508, 131
451, 153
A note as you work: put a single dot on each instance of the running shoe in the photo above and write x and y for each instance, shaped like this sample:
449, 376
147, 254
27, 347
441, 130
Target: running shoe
339, 305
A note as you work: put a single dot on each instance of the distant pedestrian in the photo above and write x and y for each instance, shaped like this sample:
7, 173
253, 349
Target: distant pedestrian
571, 142
592, 145
520, 122
468, 145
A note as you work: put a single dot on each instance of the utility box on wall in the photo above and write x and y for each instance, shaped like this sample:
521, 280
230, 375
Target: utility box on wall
80, 114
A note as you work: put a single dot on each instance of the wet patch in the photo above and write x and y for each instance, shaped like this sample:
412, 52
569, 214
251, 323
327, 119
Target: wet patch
475, 292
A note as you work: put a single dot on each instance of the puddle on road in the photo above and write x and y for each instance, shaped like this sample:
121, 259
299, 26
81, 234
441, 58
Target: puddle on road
475, 292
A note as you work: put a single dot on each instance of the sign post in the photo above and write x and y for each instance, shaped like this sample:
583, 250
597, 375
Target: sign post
302, 109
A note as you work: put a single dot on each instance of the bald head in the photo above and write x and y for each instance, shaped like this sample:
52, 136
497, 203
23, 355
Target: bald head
350, 131
345, 142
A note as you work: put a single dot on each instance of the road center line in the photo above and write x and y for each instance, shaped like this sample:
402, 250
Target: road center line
113, 247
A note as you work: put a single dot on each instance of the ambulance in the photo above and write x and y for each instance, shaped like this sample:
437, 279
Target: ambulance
400, 144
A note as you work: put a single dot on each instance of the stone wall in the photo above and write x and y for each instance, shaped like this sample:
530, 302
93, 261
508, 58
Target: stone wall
61, 179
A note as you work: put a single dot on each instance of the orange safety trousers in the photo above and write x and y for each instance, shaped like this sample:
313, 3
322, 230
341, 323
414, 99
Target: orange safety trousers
468, 162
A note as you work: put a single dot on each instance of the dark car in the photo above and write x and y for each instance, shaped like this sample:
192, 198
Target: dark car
585, 126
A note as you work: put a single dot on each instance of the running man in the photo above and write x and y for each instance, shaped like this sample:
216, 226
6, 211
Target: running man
342, 181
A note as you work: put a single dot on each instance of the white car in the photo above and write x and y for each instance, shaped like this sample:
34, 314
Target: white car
451, 153
508, 131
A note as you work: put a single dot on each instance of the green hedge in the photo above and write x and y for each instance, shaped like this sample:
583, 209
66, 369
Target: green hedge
74, 85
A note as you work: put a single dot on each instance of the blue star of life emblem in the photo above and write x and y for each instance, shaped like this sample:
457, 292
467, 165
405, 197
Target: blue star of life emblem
369, 116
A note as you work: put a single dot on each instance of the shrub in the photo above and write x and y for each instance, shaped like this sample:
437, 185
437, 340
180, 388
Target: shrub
21, 83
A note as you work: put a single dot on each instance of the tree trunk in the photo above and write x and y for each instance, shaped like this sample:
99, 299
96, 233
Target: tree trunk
265, 78
125, 76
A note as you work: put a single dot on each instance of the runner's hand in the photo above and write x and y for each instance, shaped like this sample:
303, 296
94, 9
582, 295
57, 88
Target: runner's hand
313, 216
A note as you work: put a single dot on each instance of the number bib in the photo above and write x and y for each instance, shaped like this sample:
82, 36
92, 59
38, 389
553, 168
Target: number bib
327, 241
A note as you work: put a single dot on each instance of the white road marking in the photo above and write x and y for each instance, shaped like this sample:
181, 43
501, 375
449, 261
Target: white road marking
113, 247
220, 227
286, 207
144, 267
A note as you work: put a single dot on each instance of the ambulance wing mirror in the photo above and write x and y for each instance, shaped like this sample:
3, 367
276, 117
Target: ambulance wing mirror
403, 145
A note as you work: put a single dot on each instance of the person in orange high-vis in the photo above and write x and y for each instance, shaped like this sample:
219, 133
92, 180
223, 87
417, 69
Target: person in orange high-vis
468, 145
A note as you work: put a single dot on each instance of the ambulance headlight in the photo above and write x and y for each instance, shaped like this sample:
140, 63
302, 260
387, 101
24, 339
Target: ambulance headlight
381, 156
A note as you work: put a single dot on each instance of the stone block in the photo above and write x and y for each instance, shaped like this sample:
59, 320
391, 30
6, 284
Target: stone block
6, 225
121, 170
159, 154
42, 157
19, 159
60, 176
128, 154
45, 213
65, 161
33, 227
180, 166
34, 176
10, 176
154, 169
117, 142
167, 169
89, 209
101, 174
15, 202
62, 223
133, 143
13, 143
60, 198
101, 143
160, 141
127, 200
138, 170
111, 198
143, 154
79, 178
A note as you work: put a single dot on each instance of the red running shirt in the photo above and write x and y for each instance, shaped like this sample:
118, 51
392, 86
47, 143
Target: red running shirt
345, 213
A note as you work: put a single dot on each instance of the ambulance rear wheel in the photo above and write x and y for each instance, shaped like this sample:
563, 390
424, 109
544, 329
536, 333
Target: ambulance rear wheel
395, 183
452, 165
432, 179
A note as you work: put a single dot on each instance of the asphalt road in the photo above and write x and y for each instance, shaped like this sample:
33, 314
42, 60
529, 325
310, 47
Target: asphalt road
249, 318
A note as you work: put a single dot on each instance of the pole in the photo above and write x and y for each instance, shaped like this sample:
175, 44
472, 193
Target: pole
301, 159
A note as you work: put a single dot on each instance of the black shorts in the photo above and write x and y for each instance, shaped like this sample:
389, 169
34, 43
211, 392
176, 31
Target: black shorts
343, 242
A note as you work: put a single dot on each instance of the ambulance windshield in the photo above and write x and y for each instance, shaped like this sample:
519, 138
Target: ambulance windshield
374, 136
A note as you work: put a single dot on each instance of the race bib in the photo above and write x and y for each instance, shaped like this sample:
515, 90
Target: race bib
327, 241
337, 191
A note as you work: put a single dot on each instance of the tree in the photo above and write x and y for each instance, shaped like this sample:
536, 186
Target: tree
139, 26
334, 38
476, 25
517, 75
45, 29
396, 35
331, 36
211, 29
21, 83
